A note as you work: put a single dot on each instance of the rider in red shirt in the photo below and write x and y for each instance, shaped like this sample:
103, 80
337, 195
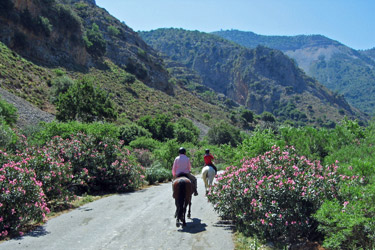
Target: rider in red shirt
208, 160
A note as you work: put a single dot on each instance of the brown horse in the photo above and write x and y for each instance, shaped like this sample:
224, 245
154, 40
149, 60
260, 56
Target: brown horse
182, 192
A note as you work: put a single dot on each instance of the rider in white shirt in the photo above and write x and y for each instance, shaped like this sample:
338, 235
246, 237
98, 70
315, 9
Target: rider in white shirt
182, 167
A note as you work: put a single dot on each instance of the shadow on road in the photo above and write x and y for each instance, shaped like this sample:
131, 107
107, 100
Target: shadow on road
227, 225
193, 227
36, 233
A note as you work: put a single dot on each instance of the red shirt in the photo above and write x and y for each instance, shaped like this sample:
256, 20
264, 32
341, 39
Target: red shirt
208, 159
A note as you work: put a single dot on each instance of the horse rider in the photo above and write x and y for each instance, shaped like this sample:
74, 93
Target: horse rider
182, 167
208, 160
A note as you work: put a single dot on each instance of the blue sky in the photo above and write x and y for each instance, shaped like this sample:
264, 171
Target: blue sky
347, 21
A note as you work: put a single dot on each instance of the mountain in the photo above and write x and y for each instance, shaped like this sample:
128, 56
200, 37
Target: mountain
261, 79
54, 33
369, 52
42, 40
344, 70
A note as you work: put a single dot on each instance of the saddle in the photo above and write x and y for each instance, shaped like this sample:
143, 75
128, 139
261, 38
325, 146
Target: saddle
182, 175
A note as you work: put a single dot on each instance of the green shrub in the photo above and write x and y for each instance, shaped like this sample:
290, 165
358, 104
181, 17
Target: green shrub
8, 113
186, 131
22, 200
196, 155
68, 18
46, 131
113, 31
143, 156
160, 126
349, 221
128, 79
158, 174
45, 25
145, 143
259, 142
60, 85
95, 43
224, 133
275, 194
311, 142
248, 115
8, 137
86, 103
130, 132
167, 152
267, 117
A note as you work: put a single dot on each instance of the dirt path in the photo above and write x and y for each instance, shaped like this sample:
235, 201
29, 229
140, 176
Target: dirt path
139, 220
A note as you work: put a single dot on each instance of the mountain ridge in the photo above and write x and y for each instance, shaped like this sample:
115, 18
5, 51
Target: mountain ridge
340, 68
253, 78
124, 65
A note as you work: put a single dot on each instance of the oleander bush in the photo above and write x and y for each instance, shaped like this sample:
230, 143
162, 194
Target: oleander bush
22, 199
106, 164
54, 173
275, 194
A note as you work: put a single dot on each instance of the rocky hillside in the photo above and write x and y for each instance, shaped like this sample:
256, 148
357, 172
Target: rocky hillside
42, 40
77, 35
34, 54
261, 79
344, 70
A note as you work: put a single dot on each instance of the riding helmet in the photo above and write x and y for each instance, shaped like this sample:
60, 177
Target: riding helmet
182, 150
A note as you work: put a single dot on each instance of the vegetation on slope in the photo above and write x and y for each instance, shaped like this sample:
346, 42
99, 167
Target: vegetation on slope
261, 79
341, 69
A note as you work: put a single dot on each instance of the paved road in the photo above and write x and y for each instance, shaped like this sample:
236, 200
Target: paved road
138, 220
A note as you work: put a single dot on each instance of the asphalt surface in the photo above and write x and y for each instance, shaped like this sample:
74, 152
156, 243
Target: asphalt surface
138, 220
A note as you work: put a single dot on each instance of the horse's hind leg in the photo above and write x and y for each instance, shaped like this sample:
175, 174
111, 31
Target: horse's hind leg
183, 216
189, 212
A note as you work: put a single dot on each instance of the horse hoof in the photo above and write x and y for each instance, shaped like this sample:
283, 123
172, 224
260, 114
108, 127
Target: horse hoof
177, 224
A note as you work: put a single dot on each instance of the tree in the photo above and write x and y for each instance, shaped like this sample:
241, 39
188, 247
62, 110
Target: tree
95, 42
160, 127
85, 103
248, 115
268, 117
224, 133
60, 85
185, 131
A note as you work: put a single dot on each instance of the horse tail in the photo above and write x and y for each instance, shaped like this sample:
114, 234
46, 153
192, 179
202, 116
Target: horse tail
181, 197
205, 176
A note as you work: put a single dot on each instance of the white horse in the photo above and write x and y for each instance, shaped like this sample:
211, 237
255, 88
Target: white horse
208, 175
